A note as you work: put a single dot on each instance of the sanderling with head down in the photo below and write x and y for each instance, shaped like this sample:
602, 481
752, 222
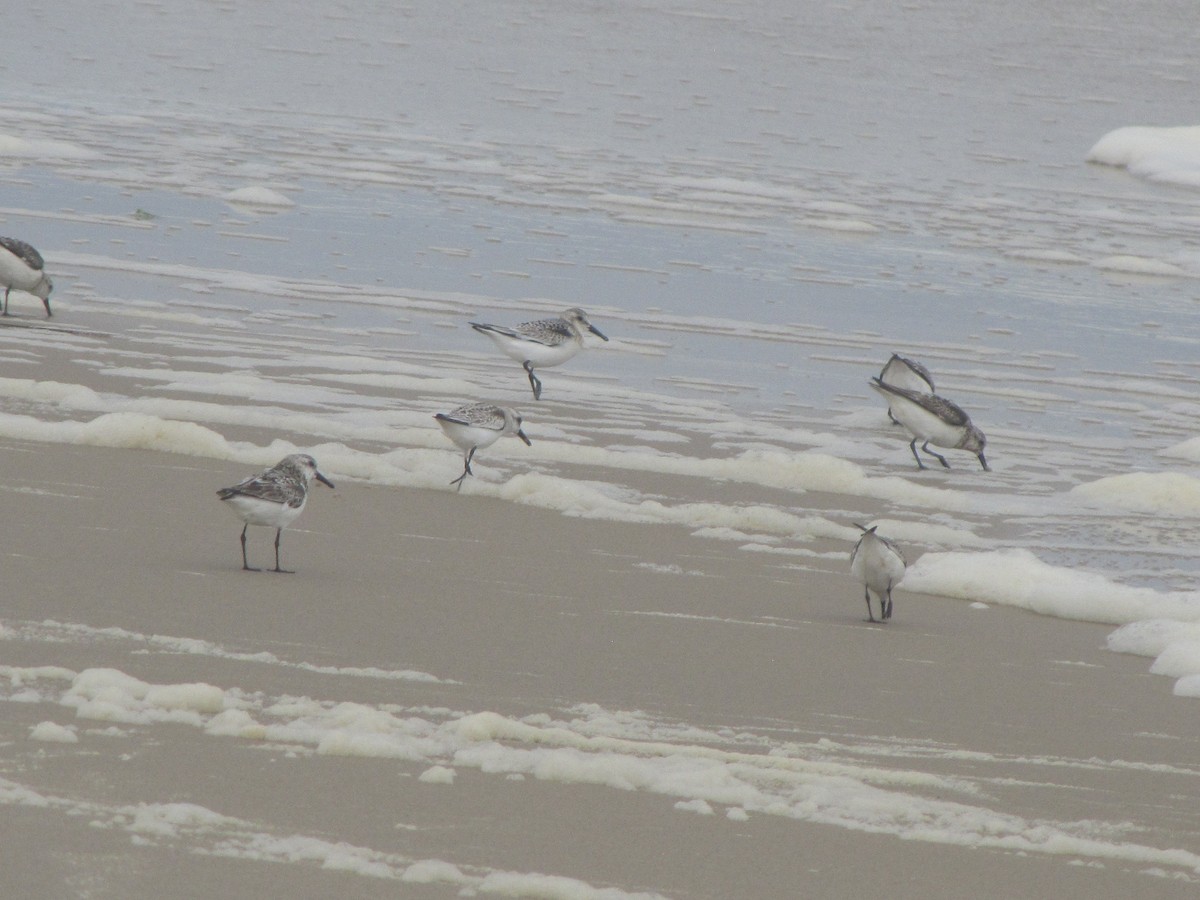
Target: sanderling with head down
23, 268
933, 420
476, 425
880, 566
274, 498
545, 342
900, 371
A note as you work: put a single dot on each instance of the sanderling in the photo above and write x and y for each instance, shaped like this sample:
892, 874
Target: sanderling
879, 565
476, 425
899, 371
274, 498
22, 267
933, 419
546, 342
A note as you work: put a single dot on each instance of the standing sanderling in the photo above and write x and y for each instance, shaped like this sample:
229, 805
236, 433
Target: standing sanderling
933, 419
880, 566
274, 498
545, 342
22, 267
476, 425
899, 371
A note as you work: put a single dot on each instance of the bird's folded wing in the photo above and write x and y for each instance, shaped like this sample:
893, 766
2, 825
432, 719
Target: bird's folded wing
30, 256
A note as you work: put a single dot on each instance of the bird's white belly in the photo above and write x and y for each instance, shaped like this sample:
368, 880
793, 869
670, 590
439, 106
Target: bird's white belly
468, 436
540, 355
925, 425
254, 511
16, 274
877, 567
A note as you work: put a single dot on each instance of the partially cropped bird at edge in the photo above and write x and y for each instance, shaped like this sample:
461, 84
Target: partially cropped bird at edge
23, 268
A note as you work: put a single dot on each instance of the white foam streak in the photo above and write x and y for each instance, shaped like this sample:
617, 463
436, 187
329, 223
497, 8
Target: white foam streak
797, 472
1159, 493
52, 631
1160, 154
1016, 577
599, 748
1160, 624
42, 148
685, 764
208, 833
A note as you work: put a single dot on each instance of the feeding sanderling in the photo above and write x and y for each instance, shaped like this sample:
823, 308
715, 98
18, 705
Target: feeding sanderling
935, 420
880, 566
274, 498
900, 371
23, 268
476, 425
545, 342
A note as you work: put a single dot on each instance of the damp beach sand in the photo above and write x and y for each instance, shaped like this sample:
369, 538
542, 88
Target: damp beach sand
479, 693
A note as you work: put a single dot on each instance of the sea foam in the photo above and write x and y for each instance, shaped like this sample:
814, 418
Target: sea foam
1160, 154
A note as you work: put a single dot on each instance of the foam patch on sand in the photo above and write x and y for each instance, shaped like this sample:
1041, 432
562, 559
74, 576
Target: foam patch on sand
694, 769
209, 833
259, 195
1016, 577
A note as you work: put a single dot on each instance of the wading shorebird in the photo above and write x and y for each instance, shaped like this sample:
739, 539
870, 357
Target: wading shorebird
274, 498
476, 425
880, 566
933, 420
545, 342
23, 268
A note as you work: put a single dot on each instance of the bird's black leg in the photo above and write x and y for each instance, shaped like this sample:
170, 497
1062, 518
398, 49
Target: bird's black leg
937, 456
278, 535
534, 381
867, 594
6, 290
913, 447
245, 563
466, 469
886, 610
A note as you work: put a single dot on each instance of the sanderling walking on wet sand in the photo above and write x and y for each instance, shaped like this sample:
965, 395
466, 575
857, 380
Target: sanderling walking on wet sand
545, 342
880, 566
900, 371
23, 268
933, 420
476, 425
273, 498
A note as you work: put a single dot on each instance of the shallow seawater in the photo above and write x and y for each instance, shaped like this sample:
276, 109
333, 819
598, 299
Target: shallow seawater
773, 324
780, 328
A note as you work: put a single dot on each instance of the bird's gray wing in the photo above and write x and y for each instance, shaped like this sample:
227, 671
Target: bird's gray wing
272, 486
28, 255
948, 412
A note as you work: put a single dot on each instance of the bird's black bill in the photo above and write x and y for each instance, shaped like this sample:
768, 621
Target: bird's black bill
597, 332
983, 462
523, 436
321, 478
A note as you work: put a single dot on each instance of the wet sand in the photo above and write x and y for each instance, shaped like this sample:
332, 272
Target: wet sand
520, 611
